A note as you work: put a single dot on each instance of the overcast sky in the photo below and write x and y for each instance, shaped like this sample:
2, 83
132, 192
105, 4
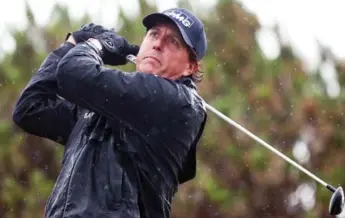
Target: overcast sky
302, 21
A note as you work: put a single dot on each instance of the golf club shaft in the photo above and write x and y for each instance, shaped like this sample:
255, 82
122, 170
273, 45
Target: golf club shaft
132, 58
257, 139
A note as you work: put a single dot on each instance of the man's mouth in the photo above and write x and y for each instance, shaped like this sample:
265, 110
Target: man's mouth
154, 58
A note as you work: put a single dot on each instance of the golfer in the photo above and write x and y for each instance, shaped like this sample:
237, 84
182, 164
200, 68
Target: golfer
129, 138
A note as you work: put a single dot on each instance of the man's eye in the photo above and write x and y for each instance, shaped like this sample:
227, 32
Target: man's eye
153, 33
175, 42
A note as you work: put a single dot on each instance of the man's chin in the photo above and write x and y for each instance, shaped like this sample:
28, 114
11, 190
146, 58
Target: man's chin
149, 70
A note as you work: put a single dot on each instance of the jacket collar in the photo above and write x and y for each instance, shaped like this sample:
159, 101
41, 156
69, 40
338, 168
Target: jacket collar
188, 81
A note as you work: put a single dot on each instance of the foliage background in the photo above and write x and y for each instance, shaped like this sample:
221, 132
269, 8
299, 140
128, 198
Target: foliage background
275, 99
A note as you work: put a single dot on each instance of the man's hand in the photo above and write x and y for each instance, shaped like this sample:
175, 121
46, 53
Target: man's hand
115, 48
71, 40
85, 32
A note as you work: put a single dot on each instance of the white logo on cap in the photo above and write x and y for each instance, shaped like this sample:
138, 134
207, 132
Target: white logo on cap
180, 16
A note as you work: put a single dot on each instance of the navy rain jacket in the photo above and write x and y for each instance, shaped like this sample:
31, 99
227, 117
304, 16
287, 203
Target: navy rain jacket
129, 138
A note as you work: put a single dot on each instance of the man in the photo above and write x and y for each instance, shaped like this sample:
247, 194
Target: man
129, 138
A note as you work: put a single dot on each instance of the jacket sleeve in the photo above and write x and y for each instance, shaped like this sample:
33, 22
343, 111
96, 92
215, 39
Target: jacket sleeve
39, 110
188, 170
134, 98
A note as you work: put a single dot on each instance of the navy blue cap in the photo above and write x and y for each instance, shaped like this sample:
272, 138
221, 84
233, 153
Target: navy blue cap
191, 28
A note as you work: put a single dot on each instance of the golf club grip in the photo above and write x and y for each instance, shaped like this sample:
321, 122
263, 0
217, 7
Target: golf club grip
131, 58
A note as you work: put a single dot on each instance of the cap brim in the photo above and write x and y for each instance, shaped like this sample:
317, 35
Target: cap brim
155, 18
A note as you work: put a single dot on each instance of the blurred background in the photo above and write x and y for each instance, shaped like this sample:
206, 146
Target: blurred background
276, 67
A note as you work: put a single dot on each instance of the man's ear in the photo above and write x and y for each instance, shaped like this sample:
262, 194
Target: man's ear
193, 66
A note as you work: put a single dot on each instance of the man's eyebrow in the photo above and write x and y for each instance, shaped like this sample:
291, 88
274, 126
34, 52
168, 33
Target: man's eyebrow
177, 36
174, 33
155, 28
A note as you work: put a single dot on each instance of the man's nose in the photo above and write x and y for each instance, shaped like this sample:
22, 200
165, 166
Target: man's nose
157, 44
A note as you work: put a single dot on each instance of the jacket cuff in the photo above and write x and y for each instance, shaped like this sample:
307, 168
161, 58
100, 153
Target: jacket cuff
95, 45
63, 49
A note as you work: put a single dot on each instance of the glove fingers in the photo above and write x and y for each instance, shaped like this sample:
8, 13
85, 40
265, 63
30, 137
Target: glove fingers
87, 27
98, 29
132, 49
115, 48
92, 27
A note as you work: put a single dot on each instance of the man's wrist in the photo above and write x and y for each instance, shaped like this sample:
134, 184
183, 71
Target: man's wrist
71, 39
95, 44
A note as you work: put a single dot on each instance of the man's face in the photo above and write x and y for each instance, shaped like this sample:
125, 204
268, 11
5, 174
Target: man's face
164, 53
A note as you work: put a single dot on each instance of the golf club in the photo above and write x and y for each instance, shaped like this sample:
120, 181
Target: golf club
336, 204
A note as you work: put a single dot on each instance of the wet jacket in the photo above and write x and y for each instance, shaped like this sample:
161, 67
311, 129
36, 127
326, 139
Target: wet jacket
129, 138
